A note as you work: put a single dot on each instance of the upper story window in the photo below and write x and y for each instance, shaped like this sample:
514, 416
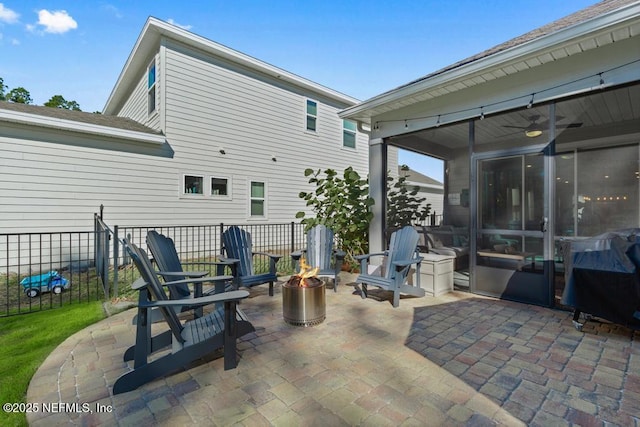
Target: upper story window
258, 200
312, 115
348, 134
151, 86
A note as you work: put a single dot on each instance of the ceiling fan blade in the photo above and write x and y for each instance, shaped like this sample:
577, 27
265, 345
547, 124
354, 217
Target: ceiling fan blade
514, 127
570, 125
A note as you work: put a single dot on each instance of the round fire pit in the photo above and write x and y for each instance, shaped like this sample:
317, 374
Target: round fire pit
304, 305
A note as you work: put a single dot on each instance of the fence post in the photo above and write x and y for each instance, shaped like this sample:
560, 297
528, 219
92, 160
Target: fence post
116, 257
221, 241
293, 237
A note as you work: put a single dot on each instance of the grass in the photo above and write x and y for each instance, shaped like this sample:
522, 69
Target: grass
25, 342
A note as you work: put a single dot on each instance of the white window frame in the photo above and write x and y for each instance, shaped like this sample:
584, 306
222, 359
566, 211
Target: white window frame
250, 198
354, 132
227, 196
183, 185
152, 93
307, 115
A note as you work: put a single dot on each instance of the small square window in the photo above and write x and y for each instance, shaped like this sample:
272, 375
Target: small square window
193, 184
219, 187
312, 115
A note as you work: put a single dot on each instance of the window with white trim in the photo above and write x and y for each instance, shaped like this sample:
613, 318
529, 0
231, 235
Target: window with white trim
312, 115
151, 87
348, 134
220, 186
258, 199
193, 184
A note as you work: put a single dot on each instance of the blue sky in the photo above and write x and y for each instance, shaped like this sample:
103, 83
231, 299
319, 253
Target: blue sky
77, 48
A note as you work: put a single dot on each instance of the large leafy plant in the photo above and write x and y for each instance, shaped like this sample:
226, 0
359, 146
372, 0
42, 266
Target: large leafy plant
341, 203
404, 206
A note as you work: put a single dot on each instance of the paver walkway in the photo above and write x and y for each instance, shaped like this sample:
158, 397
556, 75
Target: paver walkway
458, 359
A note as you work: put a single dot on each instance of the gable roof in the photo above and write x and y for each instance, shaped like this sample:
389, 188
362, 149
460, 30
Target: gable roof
78, 121
602, 23
149, 41
415, 177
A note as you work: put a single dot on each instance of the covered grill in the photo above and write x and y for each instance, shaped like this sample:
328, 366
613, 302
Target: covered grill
602, 277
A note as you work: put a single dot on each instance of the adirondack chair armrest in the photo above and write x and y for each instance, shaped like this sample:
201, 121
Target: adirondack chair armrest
367, 256
228, 261
272, 256
210, 299
195, 274
138, 284
298, 254
406, 262
199, 280
364, 260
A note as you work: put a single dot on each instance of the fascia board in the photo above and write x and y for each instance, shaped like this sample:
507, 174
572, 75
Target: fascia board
73, 126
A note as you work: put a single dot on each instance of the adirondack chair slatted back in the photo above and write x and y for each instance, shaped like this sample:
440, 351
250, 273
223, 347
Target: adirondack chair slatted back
402, 246
237, 244
320, 247
167, 259
143, 264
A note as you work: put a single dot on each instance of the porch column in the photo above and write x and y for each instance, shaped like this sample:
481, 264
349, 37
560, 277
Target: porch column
377, 190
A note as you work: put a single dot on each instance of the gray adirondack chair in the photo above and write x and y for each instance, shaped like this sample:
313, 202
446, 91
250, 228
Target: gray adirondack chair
237, 246
171, 269
190, 341
320, 253
400, 256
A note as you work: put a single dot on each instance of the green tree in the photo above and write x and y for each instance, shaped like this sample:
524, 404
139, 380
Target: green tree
19, 95
404, 206
341, 203
2, 89
58, 101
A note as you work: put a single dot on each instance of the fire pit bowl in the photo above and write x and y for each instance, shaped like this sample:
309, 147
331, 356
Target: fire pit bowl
303, 305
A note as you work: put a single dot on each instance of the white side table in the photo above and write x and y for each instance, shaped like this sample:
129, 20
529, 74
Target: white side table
436, 274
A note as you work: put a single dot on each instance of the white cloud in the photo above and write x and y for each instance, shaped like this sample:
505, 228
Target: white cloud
184, 27
56, 22
15, 42
113, 10
7, 15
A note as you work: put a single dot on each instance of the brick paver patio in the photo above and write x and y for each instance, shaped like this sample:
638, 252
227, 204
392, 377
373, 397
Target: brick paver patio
458, 359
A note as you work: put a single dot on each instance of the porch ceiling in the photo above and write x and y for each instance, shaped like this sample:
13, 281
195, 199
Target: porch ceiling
596, 113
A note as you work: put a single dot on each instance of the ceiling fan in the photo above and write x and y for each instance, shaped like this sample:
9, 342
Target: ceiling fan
535, 128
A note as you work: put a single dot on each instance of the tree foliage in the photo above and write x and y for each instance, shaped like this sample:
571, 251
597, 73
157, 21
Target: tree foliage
404, 206
19, 95
341, 203
58, 101
2, 89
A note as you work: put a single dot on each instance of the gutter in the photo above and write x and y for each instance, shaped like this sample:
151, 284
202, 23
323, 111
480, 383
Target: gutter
73, 126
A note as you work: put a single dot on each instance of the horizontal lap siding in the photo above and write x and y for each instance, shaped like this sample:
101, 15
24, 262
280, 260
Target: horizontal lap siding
47, 186
209, 106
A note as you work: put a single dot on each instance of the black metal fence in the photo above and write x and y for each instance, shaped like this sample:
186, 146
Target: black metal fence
95, 267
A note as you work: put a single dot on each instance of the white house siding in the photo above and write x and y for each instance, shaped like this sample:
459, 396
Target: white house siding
136, 107
211, 105
54, 181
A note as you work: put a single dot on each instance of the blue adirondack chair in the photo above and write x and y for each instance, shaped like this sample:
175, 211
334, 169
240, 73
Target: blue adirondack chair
238, 247
400, 256
190, 341
320, 253
171, 268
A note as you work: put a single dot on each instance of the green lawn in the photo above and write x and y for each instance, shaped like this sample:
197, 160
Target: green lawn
26, 340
